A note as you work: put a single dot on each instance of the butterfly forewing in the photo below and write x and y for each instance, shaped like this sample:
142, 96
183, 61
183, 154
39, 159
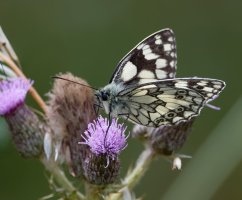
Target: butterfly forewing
152, 59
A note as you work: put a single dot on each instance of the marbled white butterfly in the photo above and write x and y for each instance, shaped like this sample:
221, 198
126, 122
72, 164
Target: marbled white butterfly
137, 92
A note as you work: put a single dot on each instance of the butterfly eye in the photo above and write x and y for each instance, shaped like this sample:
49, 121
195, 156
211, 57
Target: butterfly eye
104, 96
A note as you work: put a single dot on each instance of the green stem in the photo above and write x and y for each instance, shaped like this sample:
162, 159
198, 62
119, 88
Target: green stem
93, 192
61, 179
141, 166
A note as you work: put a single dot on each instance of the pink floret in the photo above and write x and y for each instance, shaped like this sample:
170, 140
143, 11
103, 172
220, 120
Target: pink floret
106, 139
12, 94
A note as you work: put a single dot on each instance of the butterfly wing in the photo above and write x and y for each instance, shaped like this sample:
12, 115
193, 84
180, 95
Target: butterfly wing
152, 59
167, 102
140, 94
209, 88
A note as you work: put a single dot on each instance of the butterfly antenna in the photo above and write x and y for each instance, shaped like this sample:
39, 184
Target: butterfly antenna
212, 106
57, 77
95, 105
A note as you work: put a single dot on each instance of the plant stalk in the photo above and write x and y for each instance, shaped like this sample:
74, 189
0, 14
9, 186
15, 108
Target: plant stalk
61, 179
141, 166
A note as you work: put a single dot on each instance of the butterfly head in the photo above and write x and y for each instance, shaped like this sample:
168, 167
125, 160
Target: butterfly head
107, 97
103, 96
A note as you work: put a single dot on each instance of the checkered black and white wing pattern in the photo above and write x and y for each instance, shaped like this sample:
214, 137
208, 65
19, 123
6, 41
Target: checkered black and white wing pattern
152, 59
209, 88
167, 102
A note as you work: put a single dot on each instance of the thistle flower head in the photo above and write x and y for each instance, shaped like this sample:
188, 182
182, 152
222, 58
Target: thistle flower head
104, 138
26, 128
104, 141
12, 94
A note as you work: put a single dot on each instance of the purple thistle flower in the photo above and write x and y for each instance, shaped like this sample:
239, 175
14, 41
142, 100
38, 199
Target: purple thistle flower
12, 94
26, 128
104, 138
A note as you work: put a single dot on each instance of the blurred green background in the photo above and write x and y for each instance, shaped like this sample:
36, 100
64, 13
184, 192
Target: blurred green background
88, 38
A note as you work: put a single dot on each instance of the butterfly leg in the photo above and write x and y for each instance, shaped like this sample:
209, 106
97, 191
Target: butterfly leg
96, 108
125, 116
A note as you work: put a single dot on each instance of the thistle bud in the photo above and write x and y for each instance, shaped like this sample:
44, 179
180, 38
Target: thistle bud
98, 170
26, 128
105, 141
70, 109
168, 139
164, 140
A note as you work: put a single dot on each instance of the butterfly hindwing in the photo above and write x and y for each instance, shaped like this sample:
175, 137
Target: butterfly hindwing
152, 59
209, 88
167, 102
